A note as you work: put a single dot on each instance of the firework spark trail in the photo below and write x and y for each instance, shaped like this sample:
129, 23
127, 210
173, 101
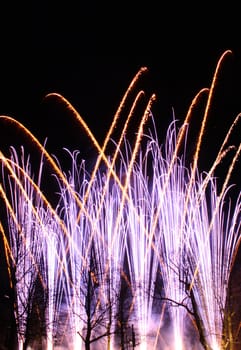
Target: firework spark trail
212, 249
74, 249
142, 262
202, 129
24, 240
201, 254
52, 271
127, 184
224, 149
116, 233
101, 150
110, 248
32, 221
57, 171
86, 237
102, 156
41, 148
138, 192
179, 141
169, 198
106, 206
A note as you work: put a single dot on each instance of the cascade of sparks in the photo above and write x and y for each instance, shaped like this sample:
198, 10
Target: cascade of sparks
137, 253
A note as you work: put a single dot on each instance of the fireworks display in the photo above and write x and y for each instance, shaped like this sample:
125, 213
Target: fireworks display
137, 252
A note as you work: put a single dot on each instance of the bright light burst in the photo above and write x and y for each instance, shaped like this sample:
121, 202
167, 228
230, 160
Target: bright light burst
138, 251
